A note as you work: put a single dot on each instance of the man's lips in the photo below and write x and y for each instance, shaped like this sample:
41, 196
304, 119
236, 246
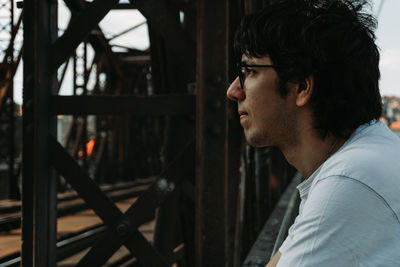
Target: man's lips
242, 114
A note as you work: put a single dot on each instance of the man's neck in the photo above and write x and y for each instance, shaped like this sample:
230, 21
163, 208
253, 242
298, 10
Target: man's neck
311, 151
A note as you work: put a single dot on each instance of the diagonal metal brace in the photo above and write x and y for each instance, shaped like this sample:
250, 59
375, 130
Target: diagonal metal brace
163, 17
77, 30
104, 208
143, 210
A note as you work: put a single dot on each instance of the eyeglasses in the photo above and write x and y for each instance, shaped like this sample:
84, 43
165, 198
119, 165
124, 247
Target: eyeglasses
240, 68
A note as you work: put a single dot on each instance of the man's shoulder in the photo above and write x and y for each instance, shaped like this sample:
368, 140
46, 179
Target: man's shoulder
373, 150
370, 158
342, 216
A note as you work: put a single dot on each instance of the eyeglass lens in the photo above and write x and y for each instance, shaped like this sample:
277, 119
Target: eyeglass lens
241, 76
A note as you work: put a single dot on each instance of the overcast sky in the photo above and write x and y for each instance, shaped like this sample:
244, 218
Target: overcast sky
388, 39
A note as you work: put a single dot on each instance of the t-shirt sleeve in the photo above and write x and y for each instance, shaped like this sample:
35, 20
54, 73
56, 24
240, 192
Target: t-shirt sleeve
329, 230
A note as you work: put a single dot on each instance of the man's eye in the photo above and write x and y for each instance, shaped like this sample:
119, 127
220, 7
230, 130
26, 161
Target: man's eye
248, 71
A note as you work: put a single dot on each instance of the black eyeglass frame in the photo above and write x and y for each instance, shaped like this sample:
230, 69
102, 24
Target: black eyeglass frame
240, 66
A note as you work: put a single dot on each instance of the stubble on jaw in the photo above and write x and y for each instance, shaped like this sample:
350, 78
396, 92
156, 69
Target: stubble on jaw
281, 132
284, 135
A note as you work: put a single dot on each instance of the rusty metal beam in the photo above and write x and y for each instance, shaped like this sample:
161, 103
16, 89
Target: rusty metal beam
62, 75
142, 211
146, 105
165, 20
271, 236
10, 73
127, 30
103, 207
78, 29
124, 6
39, 182
96, 36
218, 146
10, 47
83, 184
233, 139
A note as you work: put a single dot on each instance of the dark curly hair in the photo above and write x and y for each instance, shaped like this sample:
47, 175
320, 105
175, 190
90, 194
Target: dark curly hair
334, 41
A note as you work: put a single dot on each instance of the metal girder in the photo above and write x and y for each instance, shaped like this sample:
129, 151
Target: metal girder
104, 208
233, 137
127, 30
77, 30
39, 183
141, 211
96, 36
273, 232
165, 233
112, 241
165, 20
218, 136
146, 105
9, 73
83, 184
124, 6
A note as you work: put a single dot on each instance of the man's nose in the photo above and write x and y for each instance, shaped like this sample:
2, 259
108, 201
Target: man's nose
235, 92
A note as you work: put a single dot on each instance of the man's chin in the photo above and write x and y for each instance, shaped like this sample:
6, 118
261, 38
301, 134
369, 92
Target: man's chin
255, 141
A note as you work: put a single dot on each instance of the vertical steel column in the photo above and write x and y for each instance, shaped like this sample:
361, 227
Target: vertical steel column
253, 5
39, 183
9, 107
85, 121
233, 139
6, 94
213, 164
13, 179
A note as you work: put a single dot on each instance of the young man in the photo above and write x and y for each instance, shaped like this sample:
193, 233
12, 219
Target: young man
308, 84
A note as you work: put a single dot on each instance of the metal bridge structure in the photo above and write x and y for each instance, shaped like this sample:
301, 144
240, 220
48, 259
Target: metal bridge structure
157, 119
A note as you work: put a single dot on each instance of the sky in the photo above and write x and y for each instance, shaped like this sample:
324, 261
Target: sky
388, 40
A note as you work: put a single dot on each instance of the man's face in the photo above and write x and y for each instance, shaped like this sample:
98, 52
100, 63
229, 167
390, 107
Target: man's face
266, 116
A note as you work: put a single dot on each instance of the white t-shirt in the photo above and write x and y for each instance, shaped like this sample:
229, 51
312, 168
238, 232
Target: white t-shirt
350, 206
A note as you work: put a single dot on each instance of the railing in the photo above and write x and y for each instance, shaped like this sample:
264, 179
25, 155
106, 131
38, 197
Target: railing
276, 228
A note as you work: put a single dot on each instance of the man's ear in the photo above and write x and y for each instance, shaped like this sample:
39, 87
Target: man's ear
304, 90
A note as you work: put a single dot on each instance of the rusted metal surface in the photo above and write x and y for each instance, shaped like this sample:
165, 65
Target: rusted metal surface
137, 105
233, 139
213, 233
205, 217
165, 19
275, 229
141, 211
10, 216
77, 30
101, 204
39, 183
8, 67
124, 6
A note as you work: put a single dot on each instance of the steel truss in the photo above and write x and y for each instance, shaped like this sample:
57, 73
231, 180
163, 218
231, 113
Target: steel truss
202, 218
10, 54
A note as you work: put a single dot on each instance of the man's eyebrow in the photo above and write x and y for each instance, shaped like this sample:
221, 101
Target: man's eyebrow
247, 62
